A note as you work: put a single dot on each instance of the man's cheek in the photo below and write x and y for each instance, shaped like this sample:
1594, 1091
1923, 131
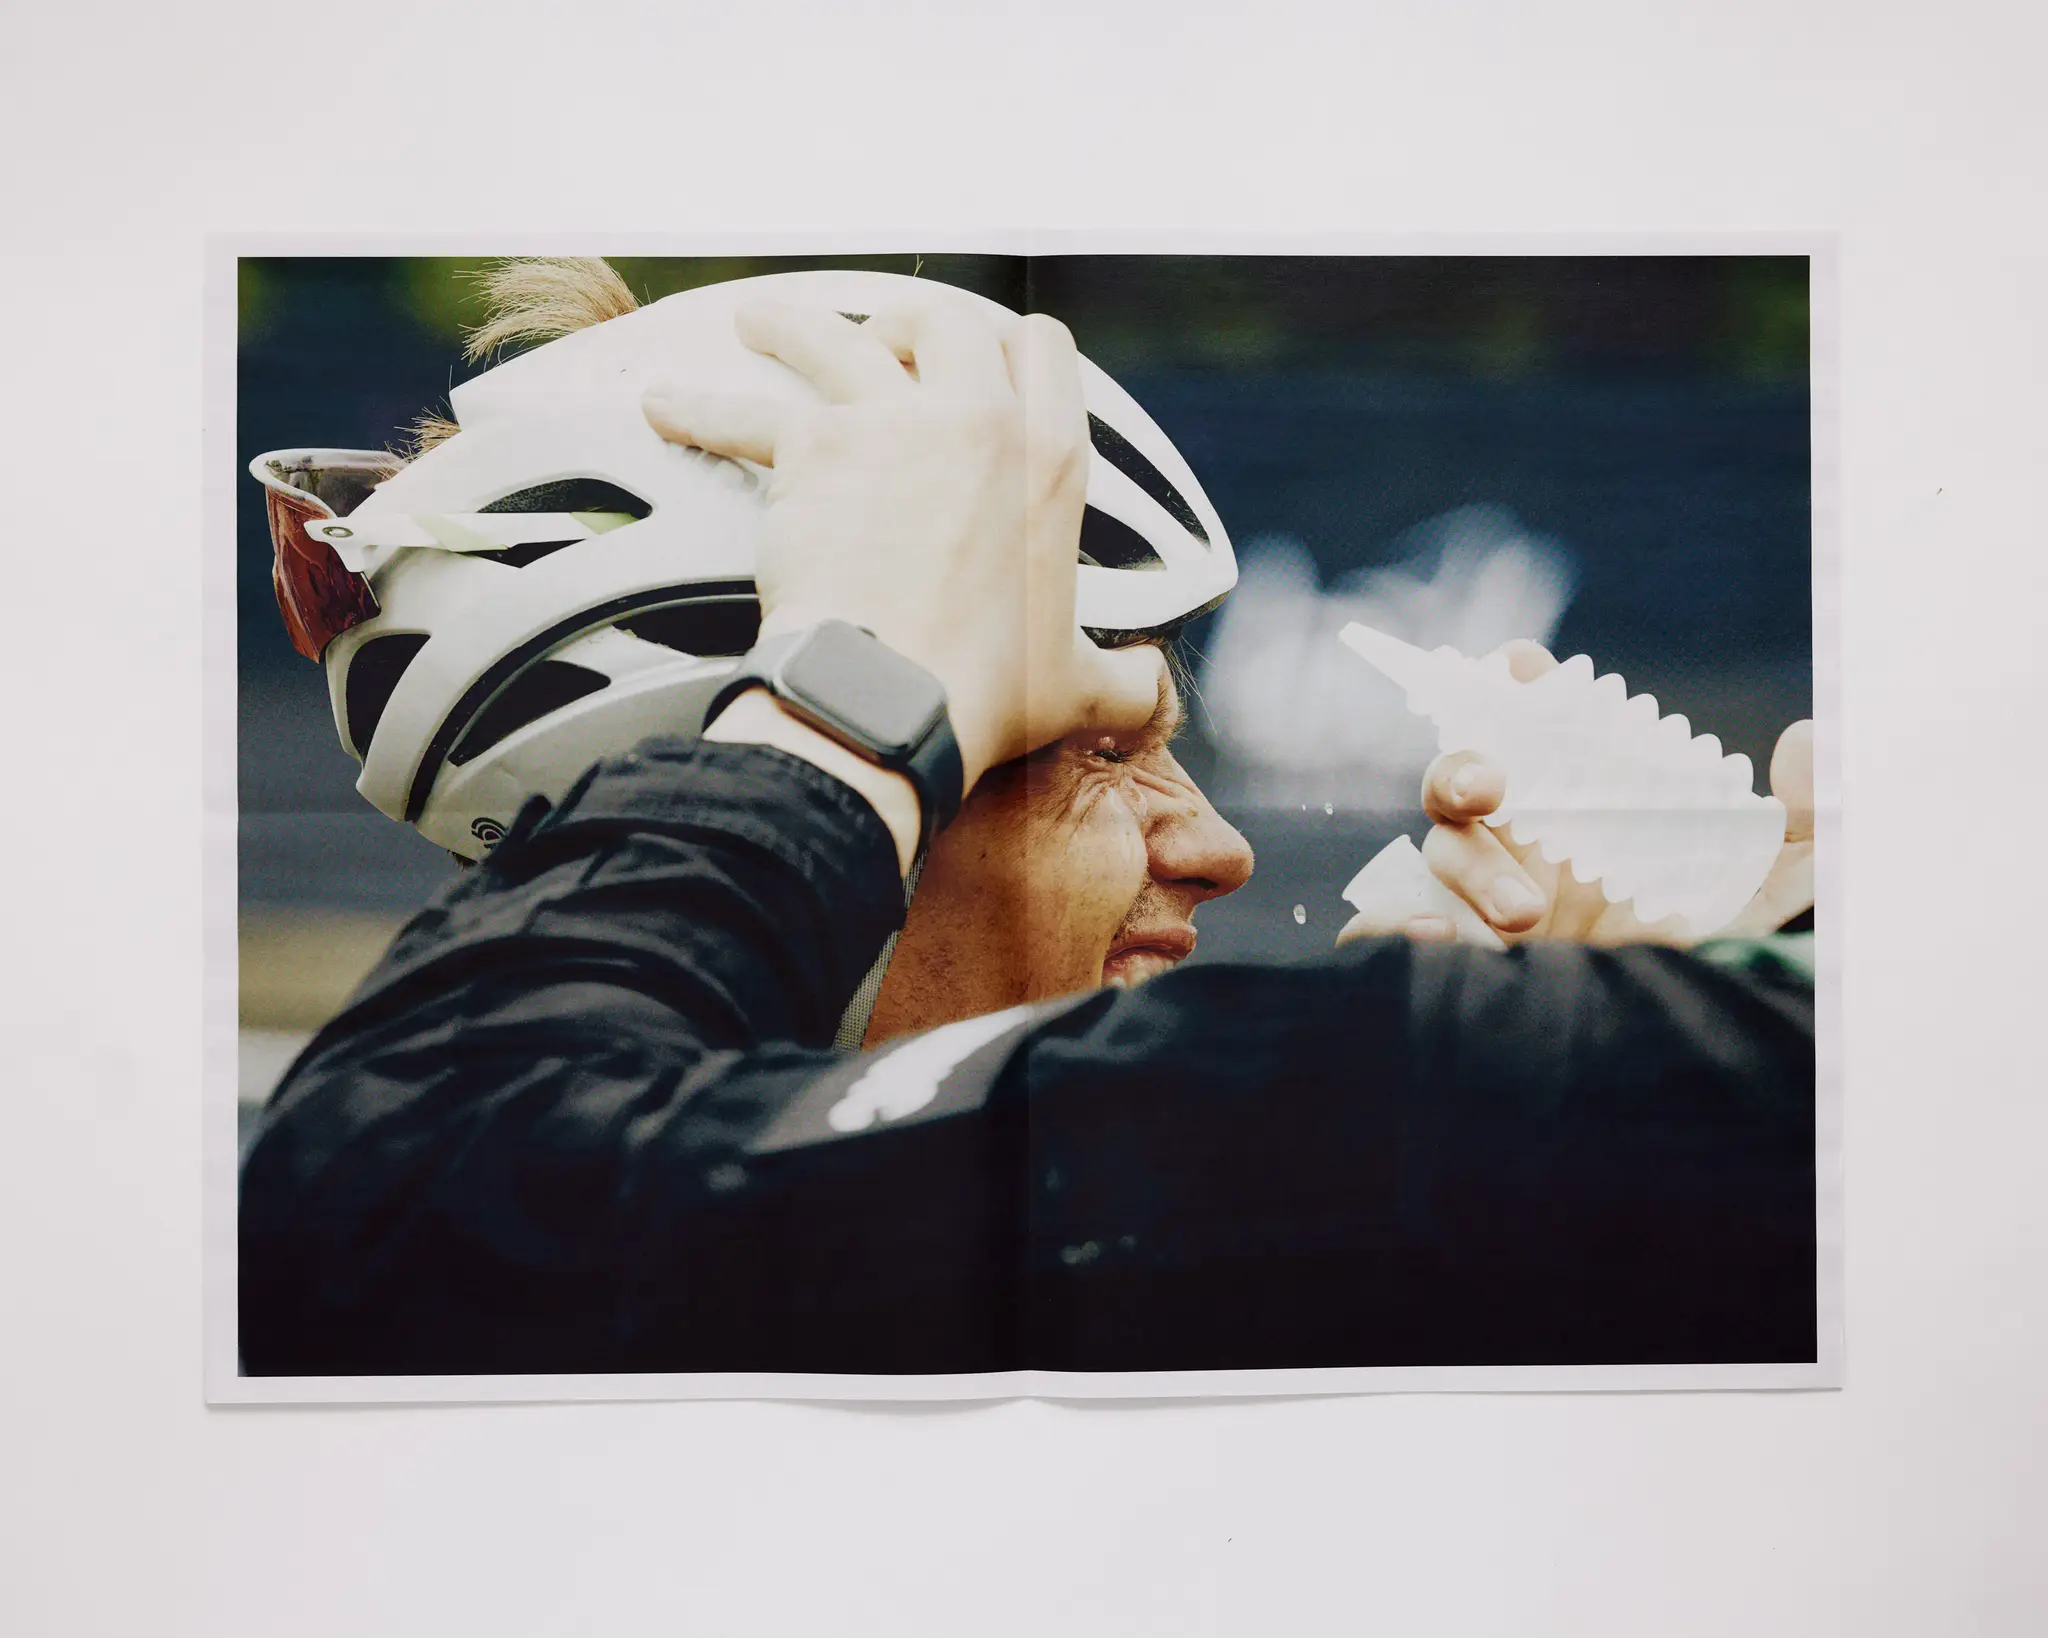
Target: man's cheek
1085, 859
1106, 865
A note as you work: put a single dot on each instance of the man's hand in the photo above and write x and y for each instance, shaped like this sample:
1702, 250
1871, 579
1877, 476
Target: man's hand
1523, 896
941, 509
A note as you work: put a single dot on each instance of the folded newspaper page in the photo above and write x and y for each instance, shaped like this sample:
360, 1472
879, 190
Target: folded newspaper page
902, 826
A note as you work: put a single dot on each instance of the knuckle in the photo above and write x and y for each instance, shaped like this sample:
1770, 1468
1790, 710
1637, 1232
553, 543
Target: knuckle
993, 423
936, 318
1063, 461
898, 327
830, 428
805, 439
1445, 849
1464, 782
1044, 328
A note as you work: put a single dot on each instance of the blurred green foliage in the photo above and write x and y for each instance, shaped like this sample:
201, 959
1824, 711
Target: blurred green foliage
256, 292
1767, 329
443, 294
1500, 318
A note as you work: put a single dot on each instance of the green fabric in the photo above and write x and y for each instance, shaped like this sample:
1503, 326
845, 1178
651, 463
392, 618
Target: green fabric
1784, 956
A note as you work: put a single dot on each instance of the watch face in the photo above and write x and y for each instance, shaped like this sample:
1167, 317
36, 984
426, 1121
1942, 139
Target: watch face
861, 688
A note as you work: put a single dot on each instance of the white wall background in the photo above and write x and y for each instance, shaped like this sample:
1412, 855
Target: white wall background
1912, 1503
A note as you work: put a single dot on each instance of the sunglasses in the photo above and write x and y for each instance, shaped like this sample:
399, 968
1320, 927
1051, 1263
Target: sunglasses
322, 556
307, 491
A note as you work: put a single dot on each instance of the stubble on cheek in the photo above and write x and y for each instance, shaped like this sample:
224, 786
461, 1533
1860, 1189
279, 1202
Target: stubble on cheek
1089, 871
1020, 900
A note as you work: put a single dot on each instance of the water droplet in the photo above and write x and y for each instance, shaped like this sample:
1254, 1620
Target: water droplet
1301, 915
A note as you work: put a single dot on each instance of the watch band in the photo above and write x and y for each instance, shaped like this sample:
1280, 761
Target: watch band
930, 761
936, 770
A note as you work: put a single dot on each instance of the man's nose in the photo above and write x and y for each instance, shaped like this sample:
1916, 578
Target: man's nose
1191, 845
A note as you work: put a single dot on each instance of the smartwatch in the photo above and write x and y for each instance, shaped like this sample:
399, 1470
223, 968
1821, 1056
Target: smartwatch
845, 682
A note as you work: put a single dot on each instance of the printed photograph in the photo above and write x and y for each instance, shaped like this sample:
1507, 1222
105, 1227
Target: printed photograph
918, 815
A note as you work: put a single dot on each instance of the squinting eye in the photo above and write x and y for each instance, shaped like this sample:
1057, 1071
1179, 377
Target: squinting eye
1106, 749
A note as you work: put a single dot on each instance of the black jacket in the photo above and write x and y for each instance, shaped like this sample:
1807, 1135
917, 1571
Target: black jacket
583, 1118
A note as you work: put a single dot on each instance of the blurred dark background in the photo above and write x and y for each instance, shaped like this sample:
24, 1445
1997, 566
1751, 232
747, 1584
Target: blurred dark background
1609, 453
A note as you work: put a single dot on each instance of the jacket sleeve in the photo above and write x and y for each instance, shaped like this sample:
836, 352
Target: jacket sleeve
477, 1164
582, 1118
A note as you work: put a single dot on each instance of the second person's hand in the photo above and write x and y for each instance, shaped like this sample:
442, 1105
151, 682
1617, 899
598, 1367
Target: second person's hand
1521, 895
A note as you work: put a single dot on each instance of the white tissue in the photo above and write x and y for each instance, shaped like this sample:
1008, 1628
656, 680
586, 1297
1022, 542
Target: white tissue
1597, 779
1397, 885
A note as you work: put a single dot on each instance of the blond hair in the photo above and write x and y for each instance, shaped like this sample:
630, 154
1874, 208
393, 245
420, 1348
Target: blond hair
529, 300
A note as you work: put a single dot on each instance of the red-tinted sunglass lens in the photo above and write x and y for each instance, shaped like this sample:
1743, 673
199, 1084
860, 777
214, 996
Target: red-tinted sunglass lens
319, 596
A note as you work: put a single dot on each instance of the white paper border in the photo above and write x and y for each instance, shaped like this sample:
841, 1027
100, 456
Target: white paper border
224, 1383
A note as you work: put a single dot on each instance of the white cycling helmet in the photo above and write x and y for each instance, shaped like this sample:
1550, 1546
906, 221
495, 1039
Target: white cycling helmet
557, 582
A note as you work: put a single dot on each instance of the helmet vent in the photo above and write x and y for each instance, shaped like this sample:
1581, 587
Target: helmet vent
517, 557
372, 676
572, 495
526, 699
1125, 456
564, 495
1111, 543
706, 625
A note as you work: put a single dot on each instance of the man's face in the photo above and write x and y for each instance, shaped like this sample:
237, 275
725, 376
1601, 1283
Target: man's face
1079, 866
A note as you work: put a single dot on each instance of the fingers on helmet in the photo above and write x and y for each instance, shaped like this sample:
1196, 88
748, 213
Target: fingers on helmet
952, 347
1046, 368
1127, 686
837, 356
744, 429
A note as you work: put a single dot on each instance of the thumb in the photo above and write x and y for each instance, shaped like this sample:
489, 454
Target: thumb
1788, 889
1121, 688
1792, 780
